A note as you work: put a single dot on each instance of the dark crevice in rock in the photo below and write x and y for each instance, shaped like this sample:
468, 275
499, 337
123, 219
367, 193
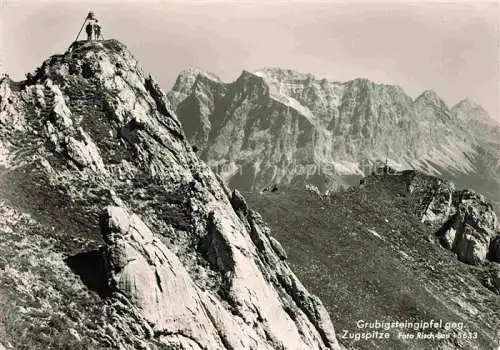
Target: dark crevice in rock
160, 104
90, 266
128, 132
158, 281
159, 334
87, 70
440, 233
290, 312
239, 203
494, 249
173, 126
215, 249
257, 237
217, 252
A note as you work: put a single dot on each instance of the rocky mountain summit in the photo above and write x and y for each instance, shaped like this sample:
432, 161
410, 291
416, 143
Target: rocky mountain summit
281, 126
114, 233
475, 117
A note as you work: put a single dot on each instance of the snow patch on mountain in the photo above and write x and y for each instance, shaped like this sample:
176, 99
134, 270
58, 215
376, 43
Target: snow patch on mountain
287, 121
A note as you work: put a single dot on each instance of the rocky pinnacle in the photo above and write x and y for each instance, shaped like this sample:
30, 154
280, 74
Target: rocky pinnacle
186, 263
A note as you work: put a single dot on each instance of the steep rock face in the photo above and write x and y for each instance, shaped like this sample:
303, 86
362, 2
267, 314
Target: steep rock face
464, 221
186, 263
153, 278
209, 92
246, 132
474, 116
285, 127
471, 230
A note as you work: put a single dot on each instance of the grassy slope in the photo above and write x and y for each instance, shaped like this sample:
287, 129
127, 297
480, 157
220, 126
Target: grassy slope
404, 276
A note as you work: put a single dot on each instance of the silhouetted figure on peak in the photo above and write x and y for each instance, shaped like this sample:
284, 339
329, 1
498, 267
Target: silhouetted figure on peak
89, 30
92, 28
97, 30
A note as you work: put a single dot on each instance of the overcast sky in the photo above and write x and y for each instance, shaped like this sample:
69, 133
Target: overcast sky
451, 48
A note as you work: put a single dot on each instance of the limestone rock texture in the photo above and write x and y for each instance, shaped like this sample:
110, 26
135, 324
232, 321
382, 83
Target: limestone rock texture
280, 126
120, 220
472, 230
464, 221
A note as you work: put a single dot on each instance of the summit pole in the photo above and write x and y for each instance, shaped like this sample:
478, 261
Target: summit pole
83, 25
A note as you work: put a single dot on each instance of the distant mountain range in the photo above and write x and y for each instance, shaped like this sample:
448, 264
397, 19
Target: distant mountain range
284, 127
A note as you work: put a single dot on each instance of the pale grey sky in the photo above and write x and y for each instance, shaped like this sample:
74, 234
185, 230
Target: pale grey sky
451, 48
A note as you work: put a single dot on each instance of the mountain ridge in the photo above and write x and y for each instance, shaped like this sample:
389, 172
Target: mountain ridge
127, 239
276, 71
357, 122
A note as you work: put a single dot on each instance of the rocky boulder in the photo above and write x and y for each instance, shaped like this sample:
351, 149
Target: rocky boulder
463, 220
470, 231
466, 221
179, 311
436, 194
9, 115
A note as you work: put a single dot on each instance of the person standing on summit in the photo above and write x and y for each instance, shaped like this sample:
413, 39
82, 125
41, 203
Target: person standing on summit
92, 28
97, 30
89, 29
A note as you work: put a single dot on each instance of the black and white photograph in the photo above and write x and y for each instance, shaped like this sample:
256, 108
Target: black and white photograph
249, 174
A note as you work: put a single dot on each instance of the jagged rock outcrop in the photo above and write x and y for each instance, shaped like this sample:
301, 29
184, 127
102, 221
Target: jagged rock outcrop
472, 228
474, 116
436, 198
464, 221
147, 273
9, 116
184, 264
281, 126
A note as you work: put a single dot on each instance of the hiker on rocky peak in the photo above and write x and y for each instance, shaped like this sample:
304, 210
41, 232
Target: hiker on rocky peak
97, 30
89, 29
92, 28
